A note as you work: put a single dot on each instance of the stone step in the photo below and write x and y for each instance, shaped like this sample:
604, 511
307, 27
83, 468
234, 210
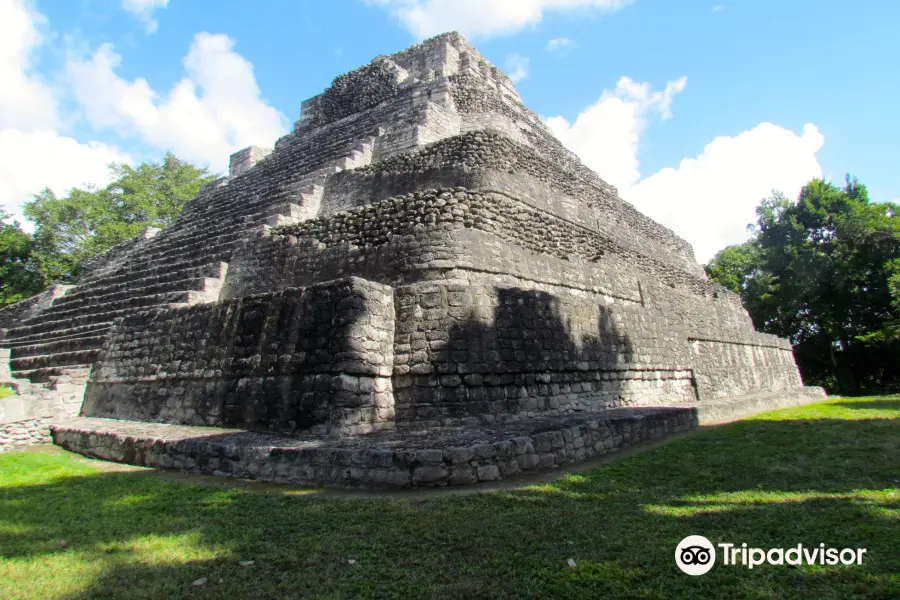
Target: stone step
450, 456
47, 374
59, 346
101, 296
59, 334
60, 359
123, 281
132, 273
94, 318
227, 209
224, 221
190, 240
52, 314
219, 252
235, 208
193, 244
304, 207
231, 209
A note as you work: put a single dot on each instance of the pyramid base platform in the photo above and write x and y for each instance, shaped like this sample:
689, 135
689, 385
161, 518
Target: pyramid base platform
388, 459
724, 410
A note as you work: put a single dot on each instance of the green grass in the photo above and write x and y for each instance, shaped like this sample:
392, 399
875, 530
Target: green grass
823, 473
6, 391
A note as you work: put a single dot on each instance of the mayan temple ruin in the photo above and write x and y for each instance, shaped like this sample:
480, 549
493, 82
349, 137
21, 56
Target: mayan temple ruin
418, 286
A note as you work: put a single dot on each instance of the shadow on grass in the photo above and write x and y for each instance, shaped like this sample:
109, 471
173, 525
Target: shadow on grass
885, 404
766, 483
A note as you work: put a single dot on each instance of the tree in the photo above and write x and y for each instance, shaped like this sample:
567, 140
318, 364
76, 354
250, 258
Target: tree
822, 271
735, 266
154, 194
71, 230
19, 273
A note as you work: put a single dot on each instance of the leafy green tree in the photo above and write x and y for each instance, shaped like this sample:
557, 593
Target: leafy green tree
154, 194
822, 271
735, 266
20, 275
71, 230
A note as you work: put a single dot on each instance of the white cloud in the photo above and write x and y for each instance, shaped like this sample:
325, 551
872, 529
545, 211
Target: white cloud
25, 101
482, 18
144, 9
718, 8
560, 44
32, 154
35, 160
606, 135
517, 65
213, 111
708, 199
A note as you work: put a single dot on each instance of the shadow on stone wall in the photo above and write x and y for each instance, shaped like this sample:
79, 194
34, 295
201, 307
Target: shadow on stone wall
292, 360
537, 355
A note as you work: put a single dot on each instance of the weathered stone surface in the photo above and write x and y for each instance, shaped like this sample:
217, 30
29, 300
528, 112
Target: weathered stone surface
418, 258
434, 457
19, 434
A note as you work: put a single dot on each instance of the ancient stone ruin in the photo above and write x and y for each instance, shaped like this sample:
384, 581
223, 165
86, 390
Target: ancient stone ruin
418, 286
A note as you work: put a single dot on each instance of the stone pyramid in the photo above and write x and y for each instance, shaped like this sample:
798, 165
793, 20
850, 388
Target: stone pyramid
419, 285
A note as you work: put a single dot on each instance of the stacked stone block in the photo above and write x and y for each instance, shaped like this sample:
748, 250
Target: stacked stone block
417, 266
314, 359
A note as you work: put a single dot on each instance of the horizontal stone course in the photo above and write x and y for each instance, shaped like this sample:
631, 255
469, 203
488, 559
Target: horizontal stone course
21, 434
300, 358
437, 458
485, 159
431, 458
510, 220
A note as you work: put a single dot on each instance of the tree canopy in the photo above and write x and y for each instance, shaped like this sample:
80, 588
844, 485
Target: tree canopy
71, 230
19, 274
824, 271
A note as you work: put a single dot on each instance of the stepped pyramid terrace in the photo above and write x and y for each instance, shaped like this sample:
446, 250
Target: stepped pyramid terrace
419, 285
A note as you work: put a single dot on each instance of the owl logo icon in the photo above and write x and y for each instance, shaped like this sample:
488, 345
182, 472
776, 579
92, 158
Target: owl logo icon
695, 555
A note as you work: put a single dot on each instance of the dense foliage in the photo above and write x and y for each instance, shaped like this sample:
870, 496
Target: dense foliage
71, 230
824, 271
19, 275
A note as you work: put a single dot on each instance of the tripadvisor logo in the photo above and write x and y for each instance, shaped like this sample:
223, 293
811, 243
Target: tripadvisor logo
696, 555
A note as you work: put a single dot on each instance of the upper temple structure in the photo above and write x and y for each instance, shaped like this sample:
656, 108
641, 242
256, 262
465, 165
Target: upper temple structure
419, 285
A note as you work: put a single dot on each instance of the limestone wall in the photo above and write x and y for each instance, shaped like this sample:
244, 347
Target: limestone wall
391, 240
315, 358
491, 160
19, 434
497, 348
499, 317
481, 349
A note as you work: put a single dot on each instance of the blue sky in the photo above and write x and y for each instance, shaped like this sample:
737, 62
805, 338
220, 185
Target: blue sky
695, 109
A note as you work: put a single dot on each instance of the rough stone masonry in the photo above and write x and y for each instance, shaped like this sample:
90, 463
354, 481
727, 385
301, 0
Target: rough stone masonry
419, 285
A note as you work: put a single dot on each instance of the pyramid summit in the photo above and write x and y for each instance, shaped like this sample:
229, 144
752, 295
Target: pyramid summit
419, 285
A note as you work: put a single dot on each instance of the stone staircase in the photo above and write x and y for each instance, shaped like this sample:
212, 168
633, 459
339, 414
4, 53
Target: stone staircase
49, 343
181, 265
308, 192
70, 333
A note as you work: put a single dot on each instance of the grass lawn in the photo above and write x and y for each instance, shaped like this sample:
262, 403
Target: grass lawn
826, 473
6, 391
